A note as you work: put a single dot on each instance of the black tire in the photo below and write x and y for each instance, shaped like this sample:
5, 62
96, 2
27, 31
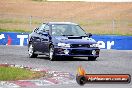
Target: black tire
52, 56
31, 52
67, 57
92, 58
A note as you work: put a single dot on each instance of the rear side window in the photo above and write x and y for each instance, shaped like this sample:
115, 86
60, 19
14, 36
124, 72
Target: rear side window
41, 28
46, 28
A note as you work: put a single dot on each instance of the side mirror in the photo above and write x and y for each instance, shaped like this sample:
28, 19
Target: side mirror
35, 29
89, 35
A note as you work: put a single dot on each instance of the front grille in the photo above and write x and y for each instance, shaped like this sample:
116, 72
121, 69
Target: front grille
80, 45
81, 52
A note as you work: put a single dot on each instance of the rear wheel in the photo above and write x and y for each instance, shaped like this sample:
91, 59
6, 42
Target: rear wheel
51, 53
92, 58
31, 52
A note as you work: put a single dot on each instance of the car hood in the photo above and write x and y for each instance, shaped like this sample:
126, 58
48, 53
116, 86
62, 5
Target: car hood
74, 39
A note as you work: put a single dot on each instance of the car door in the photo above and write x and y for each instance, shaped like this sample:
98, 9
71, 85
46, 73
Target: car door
38, 38
45, 39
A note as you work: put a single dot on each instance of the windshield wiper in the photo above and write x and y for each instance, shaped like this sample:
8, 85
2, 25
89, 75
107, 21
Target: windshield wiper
67, 35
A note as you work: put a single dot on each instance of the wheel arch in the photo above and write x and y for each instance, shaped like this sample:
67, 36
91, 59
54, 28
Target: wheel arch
51, 44
29, 42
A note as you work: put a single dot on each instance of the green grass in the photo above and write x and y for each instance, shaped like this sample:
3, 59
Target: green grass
101, 33
110, 33
13, 73
93, 26
13, 30
95, 23
19, 21
113, 34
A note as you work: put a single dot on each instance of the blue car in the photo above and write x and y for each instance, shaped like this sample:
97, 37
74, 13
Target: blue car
62, 39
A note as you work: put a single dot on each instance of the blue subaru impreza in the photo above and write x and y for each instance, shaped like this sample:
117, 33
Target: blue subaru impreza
62, 39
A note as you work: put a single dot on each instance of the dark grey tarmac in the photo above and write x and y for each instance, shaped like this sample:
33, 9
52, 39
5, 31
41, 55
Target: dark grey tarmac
109, 62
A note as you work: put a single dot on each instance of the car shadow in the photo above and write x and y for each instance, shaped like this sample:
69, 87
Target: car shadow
71, 59
64, 59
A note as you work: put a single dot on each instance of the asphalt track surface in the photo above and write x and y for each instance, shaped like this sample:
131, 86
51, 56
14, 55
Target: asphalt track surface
109, 62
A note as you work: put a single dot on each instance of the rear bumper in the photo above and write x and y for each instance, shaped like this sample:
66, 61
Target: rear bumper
77, 52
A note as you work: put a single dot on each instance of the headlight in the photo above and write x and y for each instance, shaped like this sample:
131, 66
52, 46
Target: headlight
94, 45
64, 45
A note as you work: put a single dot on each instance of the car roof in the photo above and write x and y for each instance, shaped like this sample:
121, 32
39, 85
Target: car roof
62, 23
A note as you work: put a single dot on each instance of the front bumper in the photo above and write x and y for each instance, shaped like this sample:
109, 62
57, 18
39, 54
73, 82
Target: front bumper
77, 52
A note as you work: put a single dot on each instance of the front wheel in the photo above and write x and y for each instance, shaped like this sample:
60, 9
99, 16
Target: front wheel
92, 58
51, 53
31, 52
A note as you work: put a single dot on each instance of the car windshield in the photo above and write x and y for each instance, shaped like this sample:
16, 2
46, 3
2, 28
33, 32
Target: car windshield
67, 30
